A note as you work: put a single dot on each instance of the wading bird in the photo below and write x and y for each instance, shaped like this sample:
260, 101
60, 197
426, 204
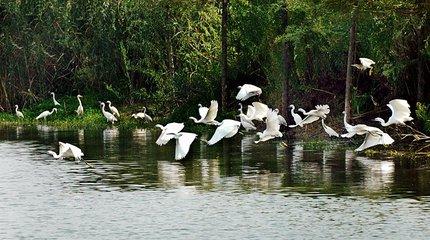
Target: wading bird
183, 143
297, 118
272, 127
245, 120
226, 129
45, 114
109, 116
80, 110
207, 115
68, 150
400, 113
113, 109
142, 115
55, 101
246, 91
18, 113
329, 130
365, 63
320, 111
168, 132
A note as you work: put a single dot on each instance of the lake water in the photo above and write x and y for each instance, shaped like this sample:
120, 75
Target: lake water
233, 190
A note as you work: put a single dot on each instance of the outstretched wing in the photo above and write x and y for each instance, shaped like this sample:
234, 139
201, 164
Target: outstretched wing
247, 91
366, 62
250, 112
261, 110
203, 111
400, 109
77, 152
183, 144
169, 132
323, 110
272, 122
213, 111
225, 129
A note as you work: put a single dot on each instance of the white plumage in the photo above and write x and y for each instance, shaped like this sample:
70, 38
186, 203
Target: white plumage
297, 118
45, 114
54, 100
109, 116
246, 91
18, 113
365, 63
245, 120
281, 119
226, 129
258, 111
272, 127
142, 115
329, 130
374, 136
113, 109
168, 132
67, 150
313, 115
207, 115
80, 110
400, 113
183, 143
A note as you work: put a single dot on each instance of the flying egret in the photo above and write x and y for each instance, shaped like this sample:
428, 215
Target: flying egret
55, 101
313, 115
297, 118
258, 111
226, 129
109, 116
113, 109
329, 130
246, 91
281, 119
80, 110
365, 63
18, 113
374, 136
272, 127
207, 117
68, 150
45, 114
183, 143
142, 115
168, 132
400, 113
245, 120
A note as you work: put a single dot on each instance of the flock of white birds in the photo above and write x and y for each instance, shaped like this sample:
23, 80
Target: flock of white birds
257, 111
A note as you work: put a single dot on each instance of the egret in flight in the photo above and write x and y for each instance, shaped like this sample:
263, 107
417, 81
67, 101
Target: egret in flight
246, 91
245, 120
365, 63
113, 109
183, 143
18, 113
207, 115
320, 111
45, 114
272, 127
258, 111
400, 113
226, 129
168, 132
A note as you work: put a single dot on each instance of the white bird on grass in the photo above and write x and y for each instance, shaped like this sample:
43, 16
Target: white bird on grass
80, 110
297, 118
329, 130
320, 111
56, 103
183, 143
18, 113
272, 127
142, 115
365, 63
113, 109
245, 120
226, 129
168, 132
109, 116
258, 111
68, 150
207, 115
400, 113
45, 114
246, 91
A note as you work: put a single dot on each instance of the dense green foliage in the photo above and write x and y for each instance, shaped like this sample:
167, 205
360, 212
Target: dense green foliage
165, 53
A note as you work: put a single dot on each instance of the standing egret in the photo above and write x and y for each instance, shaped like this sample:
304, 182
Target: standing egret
55, 101
18, 113
320, 111
113, 109
246, 91
400, 113
45, 114
80, 110
168, 132
226, 129
258, 111
68, 150
297, 118
183, 143
245, 120
365, 63
109, 116
207, 117
329, 130
272, 127
142, 115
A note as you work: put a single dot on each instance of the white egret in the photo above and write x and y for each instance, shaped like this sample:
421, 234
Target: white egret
142, 115
245, 120
45, 114
374, 136
272, 127
400, 113
258, 111
56, 103
246, 91
226, 129
329, 130
18, 113
168, 132
313, 115
207, 117
365, 63
281, 119
80, 110
68, 150
113, 109
109, 116
297, 118
183, 143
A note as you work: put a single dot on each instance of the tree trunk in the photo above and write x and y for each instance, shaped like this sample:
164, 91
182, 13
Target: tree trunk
224, 63
4, 98
352, 36
287, 64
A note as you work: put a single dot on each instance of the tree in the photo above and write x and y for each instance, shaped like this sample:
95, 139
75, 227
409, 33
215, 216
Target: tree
224, 63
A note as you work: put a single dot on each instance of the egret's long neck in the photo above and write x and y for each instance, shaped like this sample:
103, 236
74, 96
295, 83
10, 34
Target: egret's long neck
292, 109
79, 100
52, 111
194, 119
240, 109
347, 125
144, 110
55, 155
382, 121
103, 108
53, 97
110, 104
16, 109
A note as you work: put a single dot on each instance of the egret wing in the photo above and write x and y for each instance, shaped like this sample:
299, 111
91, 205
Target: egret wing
226, 128
183, 144
203, 111
212, 112
260, 110
400, 109
250, 112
